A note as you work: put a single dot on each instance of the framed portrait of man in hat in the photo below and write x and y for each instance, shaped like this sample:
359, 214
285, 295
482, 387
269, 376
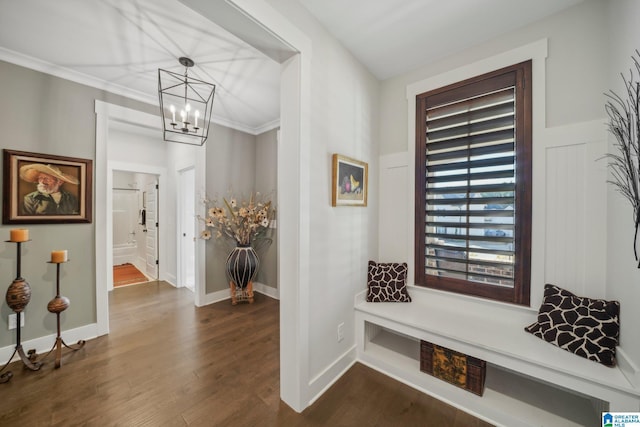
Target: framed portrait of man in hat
42, 188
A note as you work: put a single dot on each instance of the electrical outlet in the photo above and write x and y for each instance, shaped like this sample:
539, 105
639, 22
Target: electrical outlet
13, 321
340, 332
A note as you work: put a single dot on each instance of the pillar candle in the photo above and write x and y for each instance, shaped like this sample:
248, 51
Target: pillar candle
59, 256
19, 235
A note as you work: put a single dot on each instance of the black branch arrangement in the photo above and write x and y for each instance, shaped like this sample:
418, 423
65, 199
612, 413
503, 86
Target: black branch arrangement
624, 125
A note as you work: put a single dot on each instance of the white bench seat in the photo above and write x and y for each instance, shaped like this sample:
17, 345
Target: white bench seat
387, 336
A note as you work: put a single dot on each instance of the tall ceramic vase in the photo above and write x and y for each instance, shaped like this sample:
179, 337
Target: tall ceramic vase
242, 266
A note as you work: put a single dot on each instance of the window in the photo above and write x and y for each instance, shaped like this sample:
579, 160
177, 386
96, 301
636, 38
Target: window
473, 186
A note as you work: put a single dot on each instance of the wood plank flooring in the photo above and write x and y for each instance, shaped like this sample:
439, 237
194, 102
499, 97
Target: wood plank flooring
168, 363
127, 274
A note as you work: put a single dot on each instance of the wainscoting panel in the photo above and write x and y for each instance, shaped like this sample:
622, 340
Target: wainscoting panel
393, 214
566, 218
575, 209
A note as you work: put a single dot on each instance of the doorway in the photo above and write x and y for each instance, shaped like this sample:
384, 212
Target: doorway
134, 227
187, 232
293, 190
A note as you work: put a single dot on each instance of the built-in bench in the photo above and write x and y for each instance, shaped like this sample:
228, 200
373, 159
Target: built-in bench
528, 381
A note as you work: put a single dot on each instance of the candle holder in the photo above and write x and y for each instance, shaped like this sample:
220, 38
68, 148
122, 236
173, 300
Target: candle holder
17, 297
57, 305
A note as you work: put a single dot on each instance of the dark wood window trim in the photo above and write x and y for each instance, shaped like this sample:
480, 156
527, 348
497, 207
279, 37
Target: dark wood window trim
519, 77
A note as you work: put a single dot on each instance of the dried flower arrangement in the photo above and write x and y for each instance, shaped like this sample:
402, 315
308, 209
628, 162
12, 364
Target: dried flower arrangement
244, 222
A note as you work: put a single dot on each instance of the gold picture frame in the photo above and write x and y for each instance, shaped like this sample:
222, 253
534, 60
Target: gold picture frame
349, 181
46, 189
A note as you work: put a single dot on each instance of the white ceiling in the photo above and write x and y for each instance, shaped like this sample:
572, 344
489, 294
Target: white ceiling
391, 37
118, 45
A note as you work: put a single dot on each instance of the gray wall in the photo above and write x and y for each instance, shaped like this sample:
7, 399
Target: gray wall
230, 170
49, 115
266, 183
240, 164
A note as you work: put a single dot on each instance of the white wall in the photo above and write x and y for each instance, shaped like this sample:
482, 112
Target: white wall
181, 157
570, 203
343, 119
623, 276
575, 71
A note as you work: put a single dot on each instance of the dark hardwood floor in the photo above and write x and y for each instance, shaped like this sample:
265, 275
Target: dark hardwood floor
167, 363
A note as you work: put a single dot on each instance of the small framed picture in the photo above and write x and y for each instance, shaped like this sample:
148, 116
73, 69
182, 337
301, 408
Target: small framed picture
46, 189
349, 182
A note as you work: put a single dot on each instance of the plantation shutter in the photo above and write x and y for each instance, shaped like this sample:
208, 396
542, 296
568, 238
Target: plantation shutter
470, 204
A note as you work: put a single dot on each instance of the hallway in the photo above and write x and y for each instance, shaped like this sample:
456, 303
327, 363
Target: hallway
167, 363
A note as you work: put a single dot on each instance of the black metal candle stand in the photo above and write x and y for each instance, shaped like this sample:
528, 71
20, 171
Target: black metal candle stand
57, 305
18, 296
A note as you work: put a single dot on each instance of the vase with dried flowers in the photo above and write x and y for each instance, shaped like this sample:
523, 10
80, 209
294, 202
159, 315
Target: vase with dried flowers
246, 223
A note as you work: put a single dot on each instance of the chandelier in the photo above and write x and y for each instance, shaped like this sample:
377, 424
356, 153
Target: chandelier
185, 105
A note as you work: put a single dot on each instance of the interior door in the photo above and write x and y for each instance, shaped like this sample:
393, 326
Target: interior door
187, 251
151, 201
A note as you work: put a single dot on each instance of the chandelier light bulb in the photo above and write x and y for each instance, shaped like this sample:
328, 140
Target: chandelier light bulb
187, 108
173, 113
197, 114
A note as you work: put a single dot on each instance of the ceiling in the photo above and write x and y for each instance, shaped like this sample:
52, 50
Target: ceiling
391, 37
118, 45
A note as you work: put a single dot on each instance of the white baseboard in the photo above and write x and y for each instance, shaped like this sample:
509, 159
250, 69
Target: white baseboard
171, 278
216, 296
222, 295
140, 264
325, 379
266, 290
628, 367
45, 343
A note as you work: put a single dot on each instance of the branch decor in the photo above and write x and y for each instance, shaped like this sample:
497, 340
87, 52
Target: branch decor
624, 125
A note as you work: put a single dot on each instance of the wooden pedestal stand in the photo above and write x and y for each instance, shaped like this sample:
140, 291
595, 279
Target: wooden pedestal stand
18, 296
57, 306
241, 295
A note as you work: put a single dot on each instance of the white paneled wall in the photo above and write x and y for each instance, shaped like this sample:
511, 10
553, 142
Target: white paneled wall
575, 208
394, 191
565, 206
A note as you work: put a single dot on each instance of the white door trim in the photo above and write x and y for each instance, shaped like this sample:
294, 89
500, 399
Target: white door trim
294, 183
106, 115
182, 220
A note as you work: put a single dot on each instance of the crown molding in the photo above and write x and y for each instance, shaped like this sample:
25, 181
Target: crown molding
74, 76
36, 64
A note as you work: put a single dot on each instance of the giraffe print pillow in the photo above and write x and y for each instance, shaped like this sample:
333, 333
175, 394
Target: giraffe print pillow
584, 326
386, 282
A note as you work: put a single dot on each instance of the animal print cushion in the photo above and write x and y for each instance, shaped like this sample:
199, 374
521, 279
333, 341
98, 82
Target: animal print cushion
584, 326
386, 282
